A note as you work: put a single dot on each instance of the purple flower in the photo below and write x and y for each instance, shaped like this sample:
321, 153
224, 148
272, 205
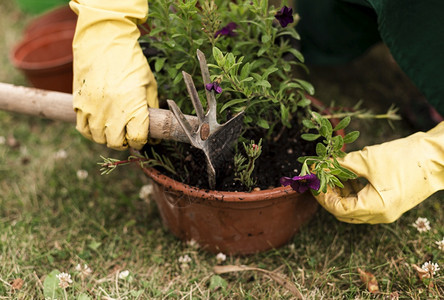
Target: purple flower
227, 30
302, 183
285, 16
214, 86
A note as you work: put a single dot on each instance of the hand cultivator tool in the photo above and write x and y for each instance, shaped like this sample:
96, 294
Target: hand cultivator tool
202, 132
211, 137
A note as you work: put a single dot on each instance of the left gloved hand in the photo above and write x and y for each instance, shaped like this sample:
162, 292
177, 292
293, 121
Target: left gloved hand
113, 83
401, 174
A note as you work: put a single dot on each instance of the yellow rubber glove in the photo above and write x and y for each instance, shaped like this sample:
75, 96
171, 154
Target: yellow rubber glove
113, 84
401, 174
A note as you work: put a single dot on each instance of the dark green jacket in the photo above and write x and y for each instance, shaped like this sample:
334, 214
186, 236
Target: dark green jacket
336, 31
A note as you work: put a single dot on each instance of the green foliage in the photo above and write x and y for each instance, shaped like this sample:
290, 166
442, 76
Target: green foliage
244, 166
253, 68
110, 164
325, 164
51, 288
255, 76
217, 282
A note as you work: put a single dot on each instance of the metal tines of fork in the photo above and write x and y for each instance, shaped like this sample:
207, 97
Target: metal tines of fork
212, 138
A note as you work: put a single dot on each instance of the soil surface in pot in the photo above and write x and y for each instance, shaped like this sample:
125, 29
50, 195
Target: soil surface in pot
278, 158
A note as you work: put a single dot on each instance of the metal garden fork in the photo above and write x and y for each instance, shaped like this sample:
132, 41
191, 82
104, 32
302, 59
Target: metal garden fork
212, 138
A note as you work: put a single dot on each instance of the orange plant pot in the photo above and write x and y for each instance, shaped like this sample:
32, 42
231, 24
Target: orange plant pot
231, 222
44, 55
236, 223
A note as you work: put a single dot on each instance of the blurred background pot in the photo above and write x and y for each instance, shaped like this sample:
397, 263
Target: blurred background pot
60, 14
44, 54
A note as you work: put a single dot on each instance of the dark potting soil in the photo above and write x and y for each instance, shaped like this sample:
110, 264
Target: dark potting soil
278, 158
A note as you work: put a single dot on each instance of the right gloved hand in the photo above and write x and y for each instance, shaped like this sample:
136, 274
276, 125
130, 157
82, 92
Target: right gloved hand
401, 174
113, 84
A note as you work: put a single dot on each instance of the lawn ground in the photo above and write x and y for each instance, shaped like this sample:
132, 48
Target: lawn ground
52, 220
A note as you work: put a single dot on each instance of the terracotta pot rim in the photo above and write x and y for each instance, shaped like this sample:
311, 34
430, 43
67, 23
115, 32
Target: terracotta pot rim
57, 15
36, 41
225, 196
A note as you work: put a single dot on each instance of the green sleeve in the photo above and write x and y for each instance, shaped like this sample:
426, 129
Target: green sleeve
337, 31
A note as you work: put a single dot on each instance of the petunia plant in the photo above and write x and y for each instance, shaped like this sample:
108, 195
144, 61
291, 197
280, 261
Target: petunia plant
254, 68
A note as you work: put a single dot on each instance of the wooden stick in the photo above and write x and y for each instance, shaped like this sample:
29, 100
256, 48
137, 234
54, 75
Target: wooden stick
58, 106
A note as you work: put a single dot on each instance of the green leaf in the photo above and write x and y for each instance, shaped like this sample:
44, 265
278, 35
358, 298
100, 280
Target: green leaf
51, 287
292, 33
245, 71
217, 282
338, 142
304, 102
307, 86
264, 83
297, 54
265, 38
321, 150
346, 173
309, 124
324, 131
83, 296
336, 181
262, 50
310, 136
232, 102
198, 41
351, 137
218, 56
158, 65
344, 123
247, 79
94, 245
179, 65
263, 123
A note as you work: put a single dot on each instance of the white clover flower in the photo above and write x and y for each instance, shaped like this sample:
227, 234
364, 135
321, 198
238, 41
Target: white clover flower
2, 140
220, 257
185, 259
82, 174
85, 271
193, 244
61, 154
64, 280
422, 224
440, 244
145, 191
430, 267
123, 274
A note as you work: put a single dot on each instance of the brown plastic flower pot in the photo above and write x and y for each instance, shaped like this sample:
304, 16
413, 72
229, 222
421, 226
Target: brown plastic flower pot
45, 57
231, 222
57, 15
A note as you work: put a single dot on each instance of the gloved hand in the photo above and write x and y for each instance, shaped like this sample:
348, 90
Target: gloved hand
113, 84
401, 174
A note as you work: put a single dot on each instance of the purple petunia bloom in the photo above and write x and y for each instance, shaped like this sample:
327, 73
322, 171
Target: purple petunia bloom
227, 30
214, 86
302, 183
285, 16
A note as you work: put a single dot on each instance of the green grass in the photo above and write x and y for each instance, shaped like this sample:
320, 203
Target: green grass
51, 220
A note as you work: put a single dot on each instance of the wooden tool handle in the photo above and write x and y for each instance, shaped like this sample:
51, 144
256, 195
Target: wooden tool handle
58, 106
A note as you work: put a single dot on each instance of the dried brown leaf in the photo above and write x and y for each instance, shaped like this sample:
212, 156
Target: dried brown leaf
421, 272
370, 281
290, 286
17, 283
